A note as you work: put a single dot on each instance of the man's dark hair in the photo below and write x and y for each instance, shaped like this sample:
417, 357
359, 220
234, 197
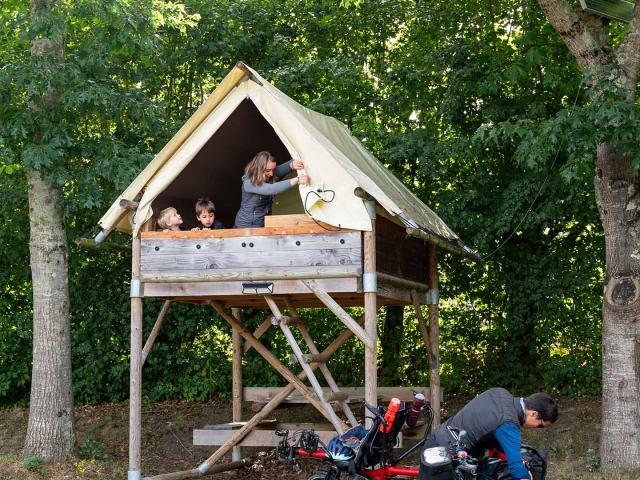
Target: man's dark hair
544, 404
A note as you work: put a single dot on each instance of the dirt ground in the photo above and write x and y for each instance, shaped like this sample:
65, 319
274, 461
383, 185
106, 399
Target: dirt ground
167, 442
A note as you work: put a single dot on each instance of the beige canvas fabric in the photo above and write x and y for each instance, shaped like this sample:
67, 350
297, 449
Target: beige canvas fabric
336, 162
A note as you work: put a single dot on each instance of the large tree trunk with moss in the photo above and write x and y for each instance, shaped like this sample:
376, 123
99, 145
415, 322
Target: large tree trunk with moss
618, 196
50, 432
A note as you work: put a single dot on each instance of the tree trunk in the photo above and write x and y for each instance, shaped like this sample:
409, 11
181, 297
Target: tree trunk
618, 198
50, 433
617, 189
51, 428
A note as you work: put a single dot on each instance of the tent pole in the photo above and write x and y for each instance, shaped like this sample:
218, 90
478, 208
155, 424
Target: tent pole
236, 454
135, 372
370, 288
434, 354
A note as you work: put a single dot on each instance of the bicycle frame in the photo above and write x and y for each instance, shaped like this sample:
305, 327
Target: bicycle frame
389, 471
382, 473
388, 467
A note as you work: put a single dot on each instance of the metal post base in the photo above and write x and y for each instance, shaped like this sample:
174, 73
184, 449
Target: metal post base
236, 454
134, 475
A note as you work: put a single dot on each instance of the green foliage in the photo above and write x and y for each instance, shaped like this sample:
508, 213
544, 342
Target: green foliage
93, 450
35, 464
487, 120
593, 460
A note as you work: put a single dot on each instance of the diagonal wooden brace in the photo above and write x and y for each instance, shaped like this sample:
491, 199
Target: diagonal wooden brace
274, 402
304, 331
261, 330
335, 421
270, 357
340, 312
156, 329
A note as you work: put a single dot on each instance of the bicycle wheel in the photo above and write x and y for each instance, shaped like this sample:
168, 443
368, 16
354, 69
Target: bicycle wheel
324, 475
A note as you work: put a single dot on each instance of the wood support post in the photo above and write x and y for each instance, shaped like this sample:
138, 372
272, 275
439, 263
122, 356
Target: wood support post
194, 473
335, 421
156, 329
261, 330
270, 357
135, 369
370, 312
422, 324
272, 404
340, 312
236, 455
337, 395
434, 334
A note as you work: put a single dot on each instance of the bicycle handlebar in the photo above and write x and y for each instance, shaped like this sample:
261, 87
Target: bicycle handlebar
375, 411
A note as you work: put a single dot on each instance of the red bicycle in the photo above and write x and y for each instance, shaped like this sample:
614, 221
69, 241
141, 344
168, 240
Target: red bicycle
361, 454
358, 453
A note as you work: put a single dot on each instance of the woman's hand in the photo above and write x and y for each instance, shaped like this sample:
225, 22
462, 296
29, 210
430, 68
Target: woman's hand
297, 164
300, 180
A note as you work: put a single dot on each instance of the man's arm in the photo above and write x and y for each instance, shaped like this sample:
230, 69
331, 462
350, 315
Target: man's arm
508, 436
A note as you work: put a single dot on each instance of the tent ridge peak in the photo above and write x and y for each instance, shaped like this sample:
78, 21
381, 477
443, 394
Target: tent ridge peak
336, 159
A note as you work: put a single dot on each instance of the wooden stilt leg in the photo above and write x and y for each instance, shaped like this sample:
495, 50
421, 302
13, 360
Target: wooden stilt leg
236, 455
335, 421
135, 373
434, 333
156, 329
323, 367
370, 312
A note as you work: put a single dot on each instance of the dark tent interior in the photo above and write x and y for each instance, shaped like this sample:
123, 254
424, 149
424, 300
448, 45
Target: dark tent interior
217, 169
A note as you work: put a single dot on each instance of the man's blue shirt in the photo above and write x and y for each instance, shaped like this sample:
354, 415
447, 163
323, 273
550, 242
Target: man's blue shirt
508, 436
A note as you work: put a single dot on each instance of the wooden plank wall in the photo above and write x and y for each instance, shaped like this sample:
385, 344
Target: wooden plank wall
398, 254
251, 253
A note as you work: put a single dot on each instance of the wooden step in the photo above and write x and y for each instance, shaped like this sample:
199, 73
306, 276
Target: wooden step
354, 394
259, 436
263, 435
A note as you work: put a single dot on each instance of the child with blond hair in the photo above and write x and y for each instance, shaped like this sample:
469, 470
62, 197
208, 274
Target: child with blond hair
169, 220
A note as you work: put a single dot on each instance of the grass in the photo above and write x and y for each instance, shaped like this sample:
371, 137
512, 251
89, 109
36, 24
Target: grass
167, 428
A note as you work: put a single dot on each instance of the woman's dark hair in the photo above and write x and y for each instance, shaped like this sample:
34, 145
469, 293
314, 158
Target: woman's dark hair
544, 404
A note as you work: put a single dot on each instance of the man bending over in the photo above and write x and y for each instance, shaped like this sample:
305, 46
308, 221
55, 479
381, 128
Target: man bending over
493, 420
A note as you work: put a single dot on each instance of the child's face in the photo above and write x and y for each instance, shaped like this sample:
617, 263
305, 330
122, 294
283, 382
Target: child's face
174, 221
206, 218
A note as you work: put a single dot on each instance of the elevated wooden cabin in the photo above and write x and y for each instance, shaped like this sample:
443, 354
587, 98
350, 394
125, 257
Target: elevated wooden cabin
355, 236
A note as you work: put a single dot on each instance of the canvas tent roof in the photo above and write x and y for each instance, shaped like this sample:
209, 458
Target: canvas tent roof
246, 114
